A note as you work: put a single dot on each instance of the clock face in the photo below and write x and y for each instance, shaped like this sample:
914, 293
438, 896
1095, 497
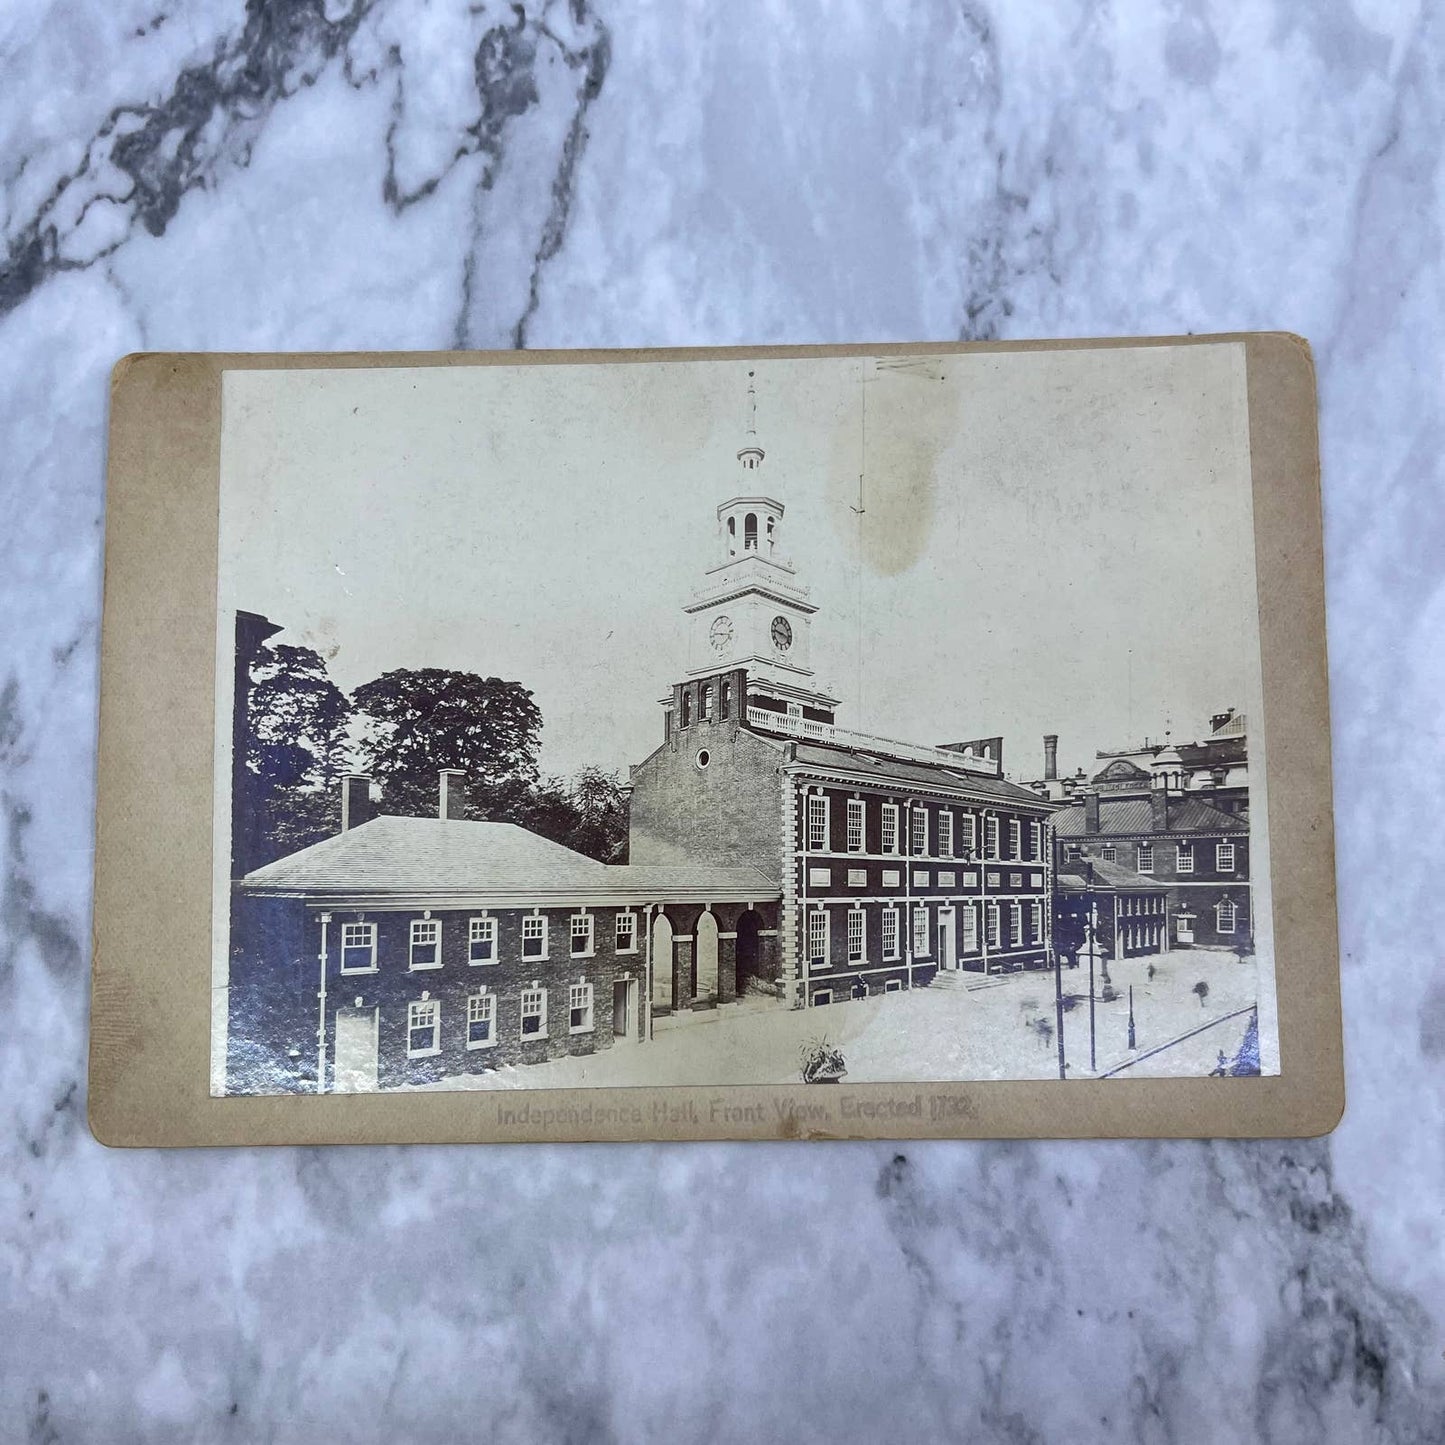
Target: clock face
720, 634
782, 634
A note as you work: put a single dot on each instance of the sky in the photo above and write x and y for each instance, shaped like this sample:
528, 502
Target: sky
1055, 541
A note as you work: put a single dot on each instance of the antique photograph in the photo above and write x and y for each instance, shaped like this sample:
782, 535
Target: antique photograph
833, 719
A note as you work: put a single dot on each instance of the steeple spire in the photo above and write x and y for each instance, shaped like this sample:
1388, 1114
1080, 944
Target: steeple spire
751, 455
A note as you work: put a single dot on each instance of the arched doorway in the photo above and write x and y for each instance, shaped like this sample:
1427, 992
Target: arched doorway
747, 950
707, 956
662, 962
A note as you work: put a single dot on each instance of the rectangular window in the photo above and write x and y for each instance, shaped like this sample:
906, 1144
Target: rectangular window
822, 996
890, 934
990, 836
890, 827
855, 825
626, 941
948, 879
579, 1008
1184, 858
581, 935
1146, 857
893, 985
993, 880
920, 832
1036, 922
857, 877
482, 940
970, 834
1072, 852
1015, 837
1108, 853
534, 936
970, 928
358, 948
423, 1028
945, 834
534, 1013
426, 944
817, 824
855, 935
920, 933
481, 1020
991, 926
1036, 840
892, 878
1224, 912
818, 938
920, 877
1224, 857
820, 877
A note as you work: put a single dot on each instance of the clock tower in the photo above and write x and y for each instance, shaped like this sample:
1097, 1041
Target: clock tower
751, 615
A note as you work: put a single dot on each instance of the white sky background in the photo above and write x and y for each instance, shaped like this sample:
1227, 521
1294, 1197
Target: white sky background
1054, 542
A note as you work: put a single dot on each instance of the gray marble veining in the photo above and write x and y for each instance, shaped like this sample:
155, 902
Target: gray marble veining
402, 174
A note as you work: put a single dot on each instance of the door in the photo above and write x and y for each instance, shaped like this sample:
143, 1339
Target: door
621, 1013
356, 1030
947, 953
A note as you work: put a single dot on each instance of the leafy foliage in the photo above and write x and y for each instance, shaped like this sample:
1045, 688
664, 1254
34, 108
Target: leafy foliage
416, 721
587, 812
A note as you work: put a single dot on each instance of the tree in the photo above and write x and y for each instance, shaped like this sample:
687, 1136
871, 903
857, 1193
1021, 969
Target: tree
587, 813
296, 726
417, 721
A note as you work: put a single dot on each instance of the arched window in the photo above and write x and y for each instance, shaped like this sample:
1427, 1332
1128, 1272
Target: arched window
750, 532
732, 536
686, 709
725, 699
704, 712
771, 520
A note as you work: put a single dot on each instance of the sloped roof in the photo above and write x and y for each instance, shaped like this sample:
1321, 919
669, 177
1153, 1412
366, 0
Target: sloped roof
1120, 817
1106, 875
877, 767
431, 857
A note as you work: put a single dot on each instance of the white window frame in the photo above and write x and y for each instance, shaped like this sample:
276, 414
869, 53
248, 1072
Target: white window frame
819, 958
894, 985
945, 833
476, 1014
1108, 853
1224, 857
369, 929
1219, 916
922, 943
1184, 857
856, 823
1146, 858
1016, 925
891, 949
589, 933
970, 834
1036, 922
1015, 838
818, 823
1036, 840
990, 835
420, 926
482, 930
918, 832
531, 920
821, 997
860, 927
617, 932
581, 990
414, 1009
538, 996
889, 844
969, 926
992, 925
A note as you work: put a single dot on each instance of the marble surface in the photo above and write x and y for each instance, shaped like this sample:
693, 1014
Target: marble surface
396, 173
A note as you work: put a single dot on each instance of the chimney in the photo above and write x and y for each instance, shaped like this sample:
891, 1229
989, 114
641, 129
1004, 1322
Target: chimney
452, 800
1091, 812
1159, 809
1051, 757
355, 800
